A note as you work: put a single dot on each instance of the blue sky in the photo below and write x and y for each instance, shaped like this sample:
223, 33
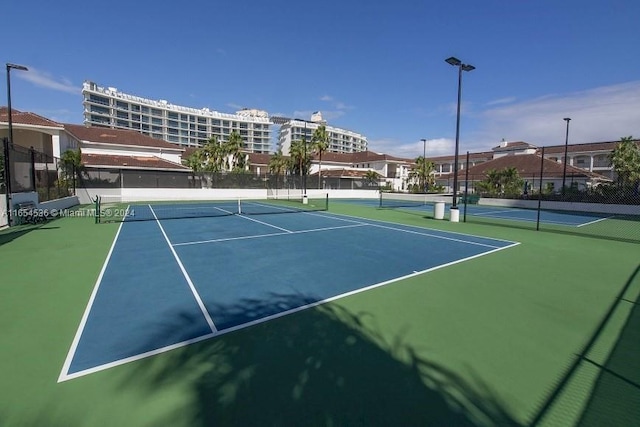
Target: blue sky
376, 68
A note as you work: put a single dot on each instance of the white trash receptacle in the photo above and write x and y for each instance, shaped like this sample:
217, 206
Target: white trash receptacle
454, 215
438, 210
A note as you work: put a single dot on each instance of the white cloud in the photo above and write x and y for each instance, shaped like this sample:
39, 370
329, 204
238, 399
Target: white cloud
326, 98
44, 79
601, 114
499, 101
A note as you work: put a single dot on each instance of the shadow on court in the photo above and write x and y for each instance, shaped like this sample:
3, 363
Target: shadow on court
615, 396
323, 366
10, 234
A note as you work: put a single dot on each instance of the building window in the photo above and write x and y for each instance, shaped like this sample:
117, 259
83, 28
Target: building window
99, 110
98, 99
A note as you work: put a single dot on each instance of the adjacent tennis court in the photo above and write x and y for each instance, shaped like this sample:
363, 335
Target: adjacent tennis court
207, 266
425, 203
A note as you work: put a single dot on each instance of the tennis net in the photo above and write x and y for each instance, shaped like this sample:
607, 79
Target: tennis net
398, 200
116, 209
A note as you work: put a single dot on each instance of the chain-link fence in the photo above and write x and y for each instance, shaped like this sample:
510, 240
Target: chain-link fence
129, 178
27, 170
587, 204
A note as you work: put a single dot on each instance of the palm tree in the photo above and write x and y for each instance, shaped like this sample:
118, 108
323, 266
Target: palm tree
214, 155
511, 182
320, 143
277, 165
625, 159
299, 157
422, 172
196, 160
372, 177
71, 164
233, 148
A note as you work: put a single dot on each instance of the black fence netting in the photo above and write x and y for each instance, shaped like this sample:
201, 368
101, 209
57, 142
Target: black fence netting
552, 199
27, 170
129, 178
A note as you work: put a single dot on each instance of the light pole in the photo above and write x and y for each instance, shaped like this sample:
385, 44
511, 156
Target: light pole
461, 67
424, 163
7, 172
304, 164
566, 146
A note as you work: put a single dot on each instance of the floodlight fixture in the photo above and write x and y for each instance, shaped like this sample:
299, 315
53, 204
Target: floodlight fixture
453, 61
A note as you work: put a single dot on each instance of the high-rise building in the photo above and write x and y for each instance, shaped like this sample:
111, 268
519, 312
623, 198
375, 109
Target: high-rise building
185, 126
340, 140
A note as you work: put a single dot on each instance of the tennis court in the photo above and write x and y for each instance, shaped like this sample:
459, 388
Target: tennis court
425, 204
344, 314
207, 265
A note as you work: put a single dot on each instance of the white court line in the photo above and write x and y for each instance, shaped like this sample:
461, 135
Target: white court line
593, 222
357, 221
205, 313
265, 223
274, 316
74, 345
259, 236
431, 235
370, 221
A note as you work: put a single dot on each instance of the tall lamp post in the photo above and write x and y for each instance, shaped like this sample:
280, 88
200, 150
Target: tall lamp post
566, 146
424, 163
304, 164
7, 172
461, 67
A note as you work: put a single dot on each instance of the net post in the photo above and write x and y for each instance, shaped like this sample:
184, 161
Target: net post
327, 204
97, 210
239, 207
380, 203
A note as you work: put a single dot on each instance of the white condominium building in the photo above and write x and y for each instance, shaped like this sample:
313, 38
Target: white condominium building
185, 126
340, 140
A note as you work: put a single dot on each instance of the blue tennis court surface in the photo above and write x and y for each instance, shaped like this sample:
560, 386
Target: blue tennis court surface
565, 218
169, 283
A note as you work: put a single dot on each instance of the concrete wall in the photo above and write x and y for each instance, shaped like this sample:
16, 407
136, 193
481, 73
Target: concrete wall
3, 210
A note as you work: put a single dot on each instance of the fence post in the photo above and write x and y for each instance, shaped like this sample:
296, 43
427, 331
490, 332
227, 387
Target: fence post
7, 177
466, 189
540, 190
32, 159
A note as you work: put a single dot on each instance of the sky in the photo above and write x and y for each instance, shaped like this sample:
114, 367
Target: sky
373, 67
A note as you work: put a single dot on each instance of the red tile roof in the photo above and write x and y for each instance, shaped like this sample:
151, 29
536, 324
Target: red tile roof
527, 165
117, 137
26, 118
513, 146
259, 158
130, 162
590, 146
